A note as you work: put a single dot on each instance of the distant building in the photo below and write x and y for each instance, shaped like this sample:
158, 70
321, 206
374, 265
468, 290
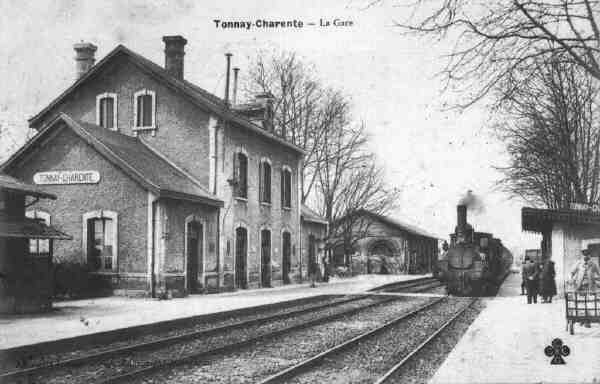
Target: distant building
163, 185
26, 245
386, 245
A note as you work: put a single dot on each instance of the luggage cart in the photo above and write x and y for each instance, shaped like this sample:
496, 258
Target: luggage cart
581, 307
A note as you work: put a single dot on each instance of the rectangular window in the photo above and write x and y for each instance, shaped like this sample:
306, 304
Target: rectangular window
107, 109
265, 182
144, 109
241, 175
39, 247
101, 244
286, 188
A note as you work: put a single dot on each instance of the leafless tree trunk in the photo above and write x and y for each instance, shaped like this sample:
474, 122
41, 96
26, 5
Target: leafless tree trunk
553, 136
350, 181
494, 39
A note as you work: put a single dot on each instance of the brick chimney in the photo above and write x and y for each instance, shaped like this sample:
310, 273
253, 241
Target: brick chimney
84, 57
174, 55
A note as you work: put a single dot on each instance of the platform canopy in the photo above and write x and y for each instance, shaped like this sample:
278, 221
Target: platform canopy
541, 220
30, 229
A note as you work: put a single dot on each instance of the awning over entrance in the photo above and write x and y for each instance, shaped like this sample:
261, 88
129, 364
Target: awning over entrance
30, 229
541, 220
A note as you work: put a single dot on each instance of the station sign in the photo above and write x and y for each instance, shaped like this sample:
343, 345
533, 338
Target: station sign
66, 177
585, 207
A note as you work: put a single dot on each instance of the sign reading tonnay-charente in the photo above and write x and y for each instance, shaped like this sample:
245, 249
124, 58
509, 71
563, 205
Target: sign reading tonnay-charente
66, 177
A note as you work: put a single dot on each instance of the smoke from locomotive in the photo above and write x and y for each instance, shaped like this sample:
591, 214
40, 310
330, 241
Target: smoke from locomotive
475, 263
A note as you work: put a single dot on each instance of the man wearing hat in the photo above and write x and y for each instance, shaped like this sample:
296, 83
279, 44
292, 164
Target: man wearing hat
586, 274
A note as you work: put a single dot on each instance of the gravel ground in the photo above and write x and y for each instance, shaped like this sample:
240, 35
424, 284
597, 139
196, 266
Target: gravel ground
136, 360
201, 325
262, 359
422, 367
366, 361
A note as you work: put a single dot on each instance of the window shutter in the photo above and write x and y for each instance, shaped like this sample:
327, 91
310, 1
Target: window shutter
243, 175
109, 113
139, 102
282, 191
147, 110
236, 174
267, 182
261, 187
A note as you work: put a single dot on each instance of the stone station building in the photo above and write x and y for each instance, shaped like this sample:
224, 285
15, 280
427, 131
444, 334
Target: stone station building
162, 185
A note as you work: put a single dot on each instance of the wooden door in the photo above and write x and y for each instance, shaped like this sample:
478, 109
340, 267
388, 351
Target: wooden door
241, 255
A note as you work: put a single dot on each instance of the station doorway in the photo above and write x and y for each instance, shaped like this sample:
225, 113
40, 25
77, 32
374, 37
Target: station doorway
265, 258
286, 261
195, 257
241, 255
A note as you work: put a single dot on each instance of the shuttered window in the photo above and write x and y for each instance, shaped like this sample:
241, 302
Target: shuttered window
286, 188
240, 166
265, 182
106, 110
145, 109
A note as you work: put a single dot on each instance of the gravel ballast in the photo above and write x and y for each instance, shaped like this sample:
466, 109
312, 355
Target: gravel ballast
49, 358
422, 367
268, 357
141, 359
366, 361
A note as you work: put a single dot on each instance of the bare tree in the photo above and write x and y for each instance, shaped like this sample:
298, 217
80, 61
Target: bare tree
494, 39
552, 132
350, 182
304, 110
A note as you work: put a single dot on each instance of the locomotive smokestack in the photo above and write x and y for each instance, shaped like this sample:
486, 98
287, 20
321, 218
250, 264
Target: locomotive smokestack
461, 215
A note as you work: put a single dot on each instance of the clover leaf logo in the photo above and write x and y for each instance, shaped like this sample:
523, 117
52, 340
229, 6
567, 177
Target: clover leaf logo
557, 350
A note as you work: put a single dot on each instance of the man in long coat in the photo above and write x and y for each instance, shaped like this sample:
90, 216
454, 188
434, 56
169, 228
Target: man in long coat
531, 273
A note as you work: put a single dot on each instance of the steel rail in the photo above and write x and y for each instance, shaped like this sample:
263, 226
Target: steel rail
294, 370
417, 349
95, 356
162, 342
406, 284
128, 376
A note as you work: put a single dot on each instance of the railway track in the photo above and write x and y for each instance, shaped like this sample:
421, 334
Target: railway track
410, 286
376, 345
125, 363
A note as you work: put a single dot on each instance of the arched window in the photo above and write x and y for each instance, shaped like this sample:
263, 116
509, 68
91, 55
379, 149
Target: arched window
286, 188
106, 110
240, 169
100, 239
265, 182
145, 109
39, 247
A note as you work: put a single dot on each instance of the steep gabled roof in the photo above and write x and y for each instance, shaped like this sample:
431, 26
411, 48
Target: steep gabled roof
15, 185
311, 216
133, 157
194, 93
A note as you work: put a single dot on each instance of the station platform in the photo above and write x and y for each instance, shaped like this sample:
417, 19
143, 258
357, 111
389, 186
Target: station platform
505, 344
83, 317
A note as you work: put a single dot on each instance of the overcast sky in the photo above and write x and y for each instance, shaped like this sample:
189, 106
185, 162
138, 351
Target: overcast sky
433, 155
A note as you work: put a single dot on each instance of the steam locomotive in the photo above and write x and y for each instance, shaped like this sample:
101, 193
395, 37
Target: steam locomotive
475, 263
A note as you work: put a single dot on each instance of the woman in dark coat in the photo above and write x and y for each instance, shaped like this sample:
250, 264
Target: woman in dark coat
547, 283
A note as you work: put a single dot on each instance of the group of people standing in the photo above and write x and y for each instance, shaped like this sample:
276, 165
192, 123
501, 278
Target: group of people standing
538, 279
